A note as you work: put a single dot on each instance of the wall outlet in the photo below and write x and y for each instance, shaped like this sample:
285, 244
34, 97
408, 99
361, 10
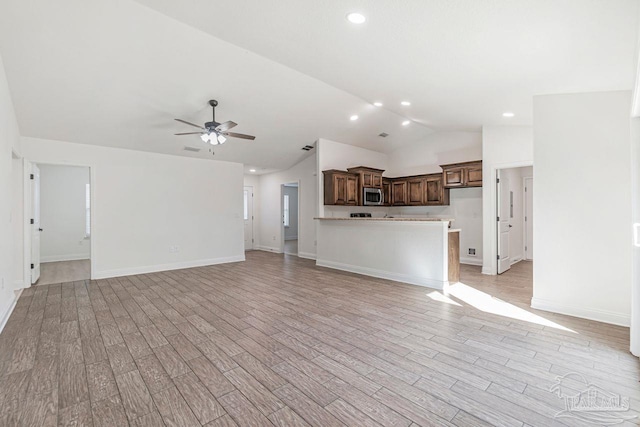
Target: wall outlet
174, 249
472, 252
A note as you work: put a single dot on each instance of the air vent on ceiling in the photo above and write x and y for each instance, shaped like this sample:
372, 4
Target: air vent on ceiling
384, 134
195, 150
307, 147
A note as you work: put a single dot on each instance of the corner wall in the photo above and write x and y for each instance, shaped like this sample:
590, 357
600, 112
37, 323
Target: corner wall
271, 207
582, 205
10, 224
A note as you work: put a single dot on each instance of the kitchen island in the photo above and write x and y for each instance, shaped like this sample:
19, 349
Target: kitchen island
409, 250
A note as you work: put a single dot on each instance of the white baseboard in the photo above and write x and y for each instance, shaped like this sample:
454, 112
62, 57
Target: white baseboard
582, 312
105, 274
515, 260
398, 277
268, 249
19, 284
67, 257
307, 255
291, 238
4, 317
470, 261
488, 271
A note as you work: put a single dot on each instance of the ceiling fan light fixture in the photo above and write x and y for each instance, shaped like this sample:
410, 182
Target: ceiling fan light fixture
205, 137
221, 139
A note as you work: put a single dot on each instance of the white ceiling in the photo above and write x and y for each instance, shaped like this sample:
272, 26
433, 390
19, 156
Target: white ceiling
290, 71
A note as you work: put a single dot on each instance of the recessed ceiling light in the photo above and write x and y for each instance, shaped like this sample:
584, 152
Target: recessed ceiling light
354, 117
406, 122
356, 18
405, 103
252, 170
378, 104
508, 114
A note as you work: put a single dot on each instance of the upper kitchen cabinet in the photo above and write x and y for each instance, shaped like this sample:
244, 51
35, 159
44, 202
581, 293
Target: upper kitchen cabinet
399, 192
340, 188
468, 174
386, 192
435, 193
415, 191
369, 177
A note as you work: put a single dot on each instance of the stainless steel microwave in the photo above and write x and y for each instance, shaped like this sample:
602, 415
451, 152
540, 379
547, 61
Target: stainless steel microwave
372, 196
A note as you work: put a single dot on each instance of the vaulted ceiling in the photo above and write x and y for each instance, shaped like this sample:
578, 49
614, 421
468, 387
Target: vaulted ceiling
289, 71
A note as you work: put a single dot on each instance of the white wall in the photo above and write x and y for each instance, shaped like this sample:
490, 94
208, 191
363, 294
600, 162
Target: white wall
582, 205
635, 200
145, 203
271, 207
10, 225
254, 182
439, 148
62, 213
502, 147
291, 232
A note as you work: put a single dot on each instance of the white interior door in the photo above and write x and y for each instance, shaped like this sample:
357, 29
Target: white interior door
528, 218
248, 218
35, 224
504, 208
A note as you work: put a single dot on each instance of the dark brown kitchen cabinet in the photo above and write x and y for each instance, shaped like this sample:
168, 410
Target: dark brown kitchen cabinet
352, 190
435, 193
369, 177
386, 191
340, 188
415, 191
467, 174
398, 192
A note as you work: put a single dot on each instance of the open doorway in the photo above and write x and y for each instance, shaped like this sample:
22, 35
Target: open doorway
514, 216
60, 223
290, 218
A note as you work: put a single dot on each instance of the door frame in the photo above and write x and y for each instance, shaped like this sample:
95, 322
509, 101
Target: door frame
524, 215
253, 228
282, 214
27, 214
491, 254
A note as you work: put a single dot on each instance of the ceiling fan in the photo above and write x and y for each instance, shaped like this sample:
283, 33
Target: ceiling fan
213, 132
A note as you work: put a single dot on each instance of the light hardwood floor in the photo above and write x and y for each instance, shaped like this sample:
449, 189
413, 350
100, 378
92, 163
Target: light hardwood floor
276, 340
64, 271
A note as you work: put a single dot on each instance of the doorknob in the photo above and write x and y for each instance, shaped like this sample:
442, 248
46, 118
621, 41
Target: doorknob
40, 229
510, 225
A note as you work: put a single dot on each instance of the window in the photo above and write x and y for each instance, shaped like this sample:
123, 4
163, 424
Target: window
286, 210
246, 205
87, 215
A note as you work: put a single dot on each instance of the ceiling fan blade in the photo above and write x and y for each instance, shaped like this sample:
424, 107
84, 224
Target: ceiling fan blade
238, 135
188, 133
226, 126
189, 123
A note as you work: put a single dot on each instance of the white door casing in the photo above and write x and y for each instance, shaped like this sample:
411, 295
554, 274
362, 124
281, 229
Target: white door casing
503, 217
35, 224
528, 218
248, 218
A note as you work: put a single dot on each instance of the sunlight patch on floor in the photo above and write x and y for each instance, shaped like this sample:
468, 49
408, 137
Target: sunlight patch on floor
489, 304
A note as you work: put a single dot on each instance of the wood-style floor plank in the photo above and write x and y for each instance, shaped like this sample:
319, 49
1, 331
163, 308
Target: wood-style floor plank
277, 341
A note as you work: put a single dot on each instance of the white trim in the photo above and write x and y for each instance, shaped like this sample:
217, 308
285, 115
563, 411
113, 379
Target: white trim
105, 274
412, 280
19, 284
585, 313
470, 261
306, 255
268, 249
12, 305
66, 257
